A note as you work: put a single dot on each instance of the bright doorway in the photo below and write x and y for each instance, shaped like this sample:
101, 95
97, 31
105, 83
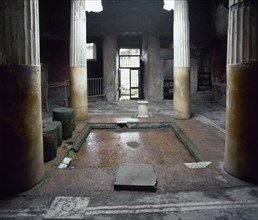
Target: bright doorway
129, 73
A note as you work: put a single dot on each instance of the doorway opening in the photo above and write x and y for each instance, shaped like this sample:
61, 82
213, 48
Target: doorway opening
129, 73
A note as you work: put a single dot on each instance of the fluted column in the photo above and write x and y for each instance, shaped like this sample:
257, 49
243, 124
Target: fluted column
241, 147
21, 145
182, 97
78, 98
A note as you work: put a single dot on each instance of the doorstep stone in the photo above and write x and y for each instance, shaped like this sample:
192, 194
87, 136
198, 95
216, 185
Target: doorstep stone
136, 177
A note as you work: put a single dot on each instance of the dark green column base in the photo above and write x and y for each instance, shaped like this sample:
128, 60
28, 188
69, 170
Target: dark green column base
67, 117
59, 133
49, 141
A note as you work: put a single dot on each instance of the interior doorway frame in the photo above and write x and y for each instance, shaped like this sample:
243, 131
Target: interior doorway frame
131, 80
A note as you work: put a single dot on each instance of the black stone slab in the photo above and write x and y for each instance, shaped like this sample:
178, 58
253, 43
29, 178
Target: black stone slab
136, 177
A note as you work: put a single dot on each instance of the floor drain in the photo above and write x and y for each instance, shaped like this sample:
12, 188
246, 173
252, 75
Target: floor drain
133, 144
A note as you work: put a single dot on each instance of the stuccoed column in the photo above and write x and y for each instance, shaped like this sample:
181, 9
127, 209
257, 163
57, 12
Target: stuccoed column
78, 98
21, 144
155, 74
241, 147
182, 97
109, 62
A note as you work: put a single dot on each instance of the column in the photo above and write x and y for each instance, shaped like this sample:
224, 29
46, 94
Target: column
110, 67
182, 97
241, 144
78, 97
155, 74
21, 144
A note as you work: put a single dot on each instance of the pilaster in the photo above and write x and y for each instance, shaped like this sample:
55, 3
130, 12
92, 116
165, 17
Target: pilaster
155, 74
110, 66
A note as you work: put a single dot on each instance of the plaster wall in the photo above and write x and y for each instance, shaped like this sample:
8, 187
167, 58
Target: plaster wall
54, 17
219, 28
221, 19
193, 75
166, 56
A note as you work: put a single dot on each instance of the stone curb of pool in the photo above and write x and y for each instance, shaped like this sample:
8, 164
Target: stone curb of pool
188, 144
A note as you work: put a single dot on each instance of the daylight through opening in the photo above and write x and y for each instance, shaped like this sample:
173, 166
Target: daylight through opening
129, 69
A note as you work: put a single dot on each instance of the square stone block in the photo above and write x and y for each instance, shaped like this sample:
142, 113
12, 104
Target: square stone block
136, 177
